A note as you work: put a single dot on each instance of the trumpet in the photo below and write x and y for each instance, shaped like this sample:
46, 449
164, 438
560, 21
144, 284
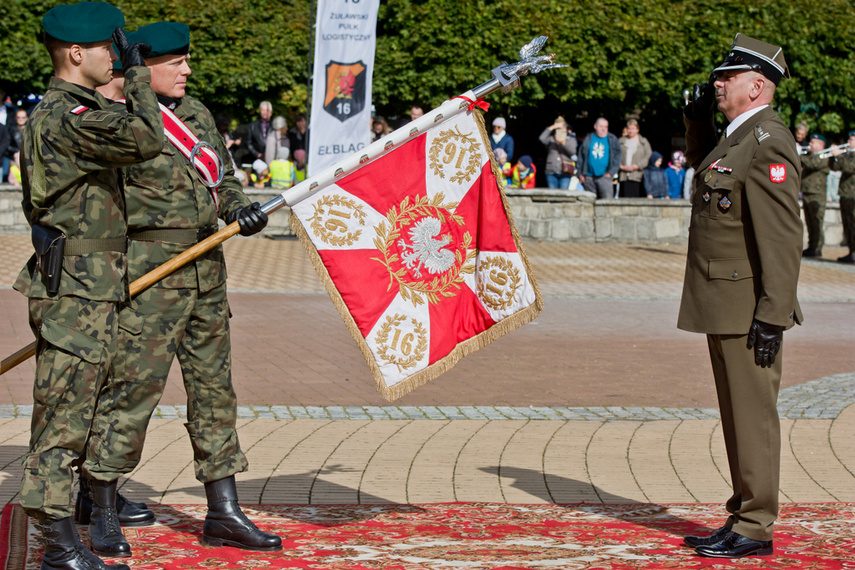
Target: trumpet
827, 153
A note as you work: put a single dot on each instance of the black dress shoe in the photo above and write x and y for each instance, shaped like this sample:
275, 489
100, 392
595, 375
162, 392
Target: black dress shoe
696, 541
847, 258
736, 546
812, 252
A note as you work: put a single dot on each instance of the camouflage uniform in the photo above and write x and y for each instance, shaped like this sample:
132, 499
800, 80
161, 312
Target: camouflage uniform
814, 177
76, 330
185, 314
846, 165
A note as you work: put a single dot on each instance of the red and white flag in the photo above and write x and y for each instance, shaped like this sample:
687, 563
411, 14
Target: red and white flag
420, 255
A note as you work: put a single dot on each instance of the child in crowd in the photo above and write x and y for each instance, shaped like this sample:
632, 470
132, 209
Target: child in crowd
522, 175
283, 174
504, 165
655, 183
300, 164
676, 175
260, 175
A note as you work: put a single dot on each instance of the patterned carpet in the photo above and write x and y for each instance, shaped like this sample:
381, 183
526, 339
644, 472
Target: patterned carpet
466, 536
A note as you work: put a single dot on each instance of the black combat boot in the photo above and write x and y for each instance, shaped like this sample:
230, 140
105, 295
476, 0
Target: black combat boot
64, 551
105, 533
131, 513
226, 525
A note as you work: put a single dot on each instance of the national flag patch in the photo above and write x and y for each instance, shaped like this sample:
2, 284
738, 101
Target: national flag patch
420, 255
79, 109
777, 173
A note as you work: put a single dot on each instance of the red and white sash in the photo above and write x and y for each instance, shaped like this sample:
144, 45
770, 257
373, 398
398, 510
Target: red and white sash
205, 161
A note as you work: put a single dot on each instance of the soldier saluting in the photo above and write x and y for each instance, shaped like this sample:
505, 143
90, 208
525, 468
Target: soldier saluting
742, 270
174, 201
71, 149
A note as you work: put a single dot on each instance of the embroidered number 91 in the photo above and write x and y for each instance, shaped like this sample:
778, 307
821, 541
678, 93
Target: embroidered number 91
333, 224
450, 151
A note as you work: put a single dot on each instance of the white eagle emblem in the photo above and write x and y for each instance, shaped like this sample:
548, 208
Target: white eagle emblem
426, 249
777, 173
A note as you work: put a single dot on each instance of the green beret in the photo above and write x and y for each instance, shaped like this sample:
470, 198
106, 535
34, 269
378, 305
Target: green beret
818, 136
83, 23
165, 38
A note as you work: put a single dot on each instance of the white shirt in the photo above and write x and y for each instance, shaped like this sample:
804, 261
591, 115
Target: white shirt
735, 123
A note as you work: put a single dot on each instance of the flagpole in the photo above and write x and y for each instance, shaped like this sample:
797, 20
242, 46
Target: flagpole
505, 77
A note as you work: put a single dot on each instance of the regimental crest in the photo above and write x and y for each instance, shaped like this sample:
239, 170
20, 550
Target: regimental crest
456, 155
724, 203
337, 220
345, 92
425, 248
777, 173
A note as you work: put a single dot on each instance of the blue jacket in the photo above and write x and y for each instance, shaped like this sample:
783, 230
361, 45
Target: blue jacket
506, 144
614, 155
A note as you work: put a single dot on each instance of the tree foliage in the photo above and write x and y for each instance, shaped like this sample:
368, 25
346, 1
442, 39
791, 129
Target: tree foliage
625, 57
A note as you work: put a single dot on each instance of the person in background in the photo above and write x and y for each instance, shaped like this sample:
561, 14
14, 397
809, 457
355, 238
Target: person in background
505, 166
844, 161
379, 128
814, 193
560, 143
655, 179
500, 137
300, 164
282, 172
415, 112
635, 155
297, 135
676, 175
256, 138
276, 139
260, 175
801, 136
599, 160
523, 173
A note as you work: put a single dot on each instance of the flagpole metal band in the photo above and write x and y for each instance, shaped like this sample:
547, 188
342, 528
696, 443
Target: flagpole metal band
197, 150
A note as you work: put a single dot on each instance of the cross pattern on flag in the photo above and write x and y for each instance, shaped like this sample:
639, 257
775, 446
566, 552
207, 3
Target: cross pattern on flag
419, 253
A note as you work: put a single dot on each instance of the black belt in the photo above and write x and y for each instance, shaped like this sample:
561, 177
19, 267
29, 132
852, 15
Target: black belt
174, 235
82, 246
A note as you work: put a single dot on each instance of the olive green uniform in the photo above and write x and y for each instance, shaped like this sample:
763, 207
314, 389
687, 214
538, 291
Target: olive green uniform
814, 190
845, 163
743, 262
80, 142
186, 314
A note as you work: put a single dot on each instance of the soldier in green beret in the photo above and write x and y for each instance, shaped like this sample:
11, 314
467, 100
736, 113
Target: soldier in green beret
844, 161
174, 201
742, 270
72, 148
814, 189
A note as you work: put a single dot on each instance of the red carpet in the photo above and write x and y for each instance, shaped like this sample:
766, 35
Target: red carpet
466, 536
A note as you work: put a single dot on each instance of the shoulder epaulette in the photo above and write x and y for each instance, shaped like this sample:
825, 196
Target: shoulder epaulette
760, 133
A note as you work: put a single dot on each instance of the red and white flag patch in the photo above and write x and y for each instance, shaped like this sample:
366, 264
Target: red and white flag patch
777, 173
79, 109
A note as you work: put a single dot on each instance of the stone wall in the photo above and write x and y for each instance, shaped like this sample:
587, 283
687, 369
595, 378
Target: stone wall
540, 213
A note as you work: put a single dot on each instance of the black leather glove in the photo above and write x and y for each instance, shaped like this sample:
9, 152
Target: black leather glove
132, 55
765, 339
703, 101
251, 219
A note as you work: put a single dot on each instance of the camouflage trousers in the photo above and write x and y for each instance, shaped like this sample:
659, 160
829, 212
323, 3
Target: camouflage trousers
76, 343
814, 207
154, 327
847, 216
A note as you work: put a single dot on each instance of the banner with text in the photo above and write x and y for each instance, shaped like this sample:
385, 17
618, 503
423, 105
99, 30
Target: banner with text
340, 121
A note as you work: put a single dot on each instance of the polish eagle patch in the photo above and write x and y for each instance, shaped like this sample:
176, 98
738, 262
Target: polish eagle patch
777, 173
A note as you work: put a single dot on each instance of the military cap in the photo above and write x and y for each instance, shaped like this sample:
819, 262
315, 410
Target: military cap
82, 23
818, 136
748, 53
165, 38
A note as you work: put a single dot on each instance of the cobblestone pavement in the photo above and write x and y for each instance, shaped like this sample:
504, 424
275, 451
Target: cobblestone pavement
601, 399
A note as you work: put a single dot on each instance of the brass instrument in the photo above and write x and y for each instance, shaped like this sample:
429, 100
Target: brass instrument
844, 148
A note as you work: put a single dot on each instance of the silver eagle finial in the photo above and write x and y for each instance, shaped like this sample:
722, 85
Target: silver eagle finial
509, 74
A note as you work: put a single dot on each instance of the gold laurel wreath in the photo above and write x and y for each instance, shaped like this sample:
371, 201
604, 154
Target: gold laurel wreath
329, 237
439, 286
506, 265
462, 175
383, 348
